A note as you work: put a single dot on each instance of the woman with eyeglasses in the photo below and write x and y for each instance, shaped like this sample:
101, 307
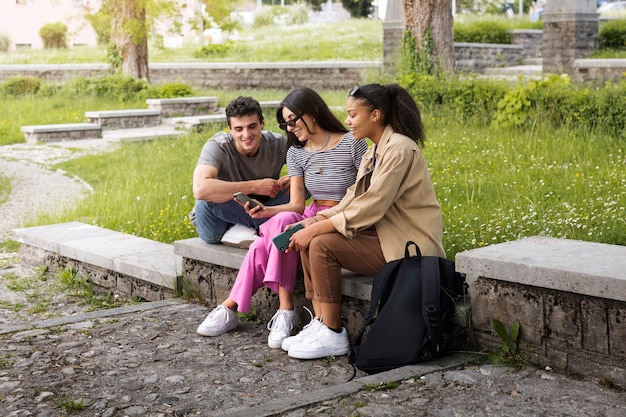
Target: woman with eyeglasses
393, 201
322, 159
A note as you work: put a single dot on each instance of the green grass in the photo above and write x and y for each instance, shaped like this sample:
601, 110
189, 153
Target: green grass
494, 185
38, 110
353, 40
498, 185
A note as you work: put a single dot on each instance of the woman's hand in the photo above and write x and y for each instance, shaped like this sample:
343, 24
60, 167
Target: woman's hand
258, 212
300, 240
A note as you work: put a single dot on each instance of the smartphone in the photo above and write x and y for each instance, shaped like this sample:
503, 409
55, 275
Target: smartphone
282, 240
242, 198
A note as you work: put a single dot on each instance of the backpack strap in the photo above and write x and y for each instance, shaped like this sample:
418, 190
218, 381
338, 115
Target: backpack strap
378, 286
430, 299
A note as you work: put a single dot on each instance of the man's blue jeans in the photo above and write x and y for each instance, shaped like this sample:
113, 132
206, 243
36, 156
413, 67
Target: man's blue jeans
214, 219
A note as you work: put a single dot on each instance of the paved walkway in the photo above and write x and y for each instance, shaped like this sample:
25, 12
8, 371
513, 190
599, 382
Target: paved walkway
147, 360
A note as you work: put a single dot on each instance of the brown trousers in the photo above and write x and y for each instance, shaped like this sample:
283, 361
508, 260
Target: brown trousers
328, 253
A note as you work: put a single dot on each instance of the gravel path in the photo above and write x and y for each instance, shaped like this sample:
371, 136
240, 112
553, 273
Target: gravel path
36, 188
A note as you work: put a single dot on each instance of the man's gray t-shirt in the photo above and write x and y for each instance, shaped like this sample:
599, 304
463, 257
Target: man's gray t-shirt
221, 153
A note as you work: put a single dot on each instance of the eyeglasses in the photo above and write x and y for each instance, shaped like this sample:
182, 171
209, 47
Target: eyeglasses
290, 123
358, 92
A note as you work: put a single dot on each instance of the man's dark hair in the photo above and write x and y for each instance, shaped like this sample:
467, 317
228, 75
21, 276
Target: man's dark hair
243, 106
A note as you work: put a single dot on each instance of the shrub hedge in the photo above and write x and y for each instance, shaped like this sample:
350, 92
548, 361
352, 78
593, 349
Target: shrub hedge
21, 86
488, 31
555, 100
612, 35
54, 35
119, 87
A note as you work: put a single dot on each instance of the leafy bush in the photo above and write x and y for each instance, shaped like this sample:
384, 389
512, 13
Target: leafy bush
613, 35
485, 31
21, 86
554, 101
559, 102
171, 90
120, 87
54, 35
468, 98
5, 42
476, 98
516, 107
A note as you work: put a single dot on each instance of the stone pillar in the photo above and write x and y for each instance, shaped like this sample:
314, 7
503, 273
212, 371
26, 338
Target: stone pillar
570, 32
393, 27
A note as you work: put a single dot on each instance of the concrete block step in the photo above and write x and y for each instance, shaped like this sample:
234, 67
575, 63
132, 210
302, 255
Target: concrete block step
124, 119
128, 255
183, 106
61, 132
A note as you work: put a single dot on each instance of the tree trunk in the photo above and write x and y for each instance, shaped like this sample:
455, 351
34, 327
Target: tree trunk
431, 20
130, 37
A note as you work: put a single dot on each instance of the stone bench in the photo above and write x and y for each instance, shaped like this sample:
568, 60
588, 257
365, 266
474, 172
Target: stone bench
568, 296
127, 265
183, 106
61, 132
125, 119
211, 270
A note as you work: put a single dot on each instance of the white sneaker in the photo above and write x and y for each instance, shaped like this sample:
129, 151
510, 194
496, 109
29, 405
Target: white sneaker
320, 344
280, 327
313, 325
239, 236
219, 321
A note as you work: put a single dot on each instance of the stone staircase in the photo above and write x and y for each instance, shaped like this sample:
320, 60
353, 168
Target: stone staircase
171, 117
164, 118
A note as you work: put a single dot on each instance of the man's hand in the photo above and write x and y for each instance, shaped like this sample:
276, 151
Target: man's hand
268, 186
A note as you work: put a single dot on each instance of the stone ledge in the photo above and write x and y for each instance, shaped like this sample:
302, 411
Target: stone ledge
61, 132
183, 106
61, 127
124, 119
568, 296
353, 284
127, 255
586, 268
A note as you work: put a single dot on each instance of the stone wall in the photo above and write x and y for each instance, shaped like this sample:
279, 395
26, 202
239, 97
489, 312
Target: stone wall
572, 333
475, 57
565, 41
225, 76
105, 281
599, 70
530, 40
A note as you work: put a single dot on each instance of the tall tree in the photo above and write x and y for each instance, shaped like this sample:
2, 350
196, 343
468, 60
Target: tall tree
125, 26
129, 36
429, 22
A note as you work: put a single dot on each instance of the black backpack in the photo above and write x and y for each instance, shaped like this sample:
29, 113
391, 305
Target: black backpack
414, 302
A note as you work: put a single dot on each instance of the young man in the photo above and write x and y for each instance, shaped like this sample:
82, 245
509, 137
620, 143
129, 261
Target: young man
246, 160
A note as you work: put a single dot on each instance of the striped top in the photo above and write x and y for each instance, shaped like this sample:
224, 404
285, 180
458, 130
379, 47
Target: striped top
327, 174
